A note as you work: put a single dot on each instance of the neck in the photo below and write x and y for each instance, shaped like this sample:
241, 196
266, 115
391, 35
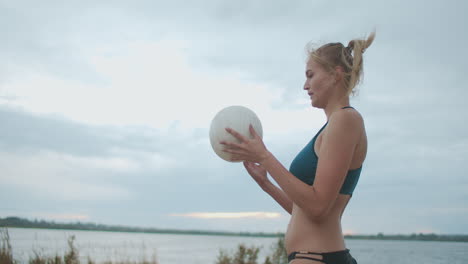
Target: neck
334, 105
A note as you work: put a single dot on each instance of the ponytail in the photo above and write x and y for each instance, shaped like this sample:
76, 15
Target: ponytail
354, 50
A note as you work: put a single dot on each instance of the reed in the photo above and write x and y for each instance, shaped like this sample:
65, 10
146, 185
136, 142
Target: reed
249, 255
71, 256
242, 255
6, 253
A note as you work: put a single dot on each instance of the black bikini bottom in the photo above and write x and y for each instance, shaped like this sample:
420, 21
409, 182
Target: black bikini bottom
337, 257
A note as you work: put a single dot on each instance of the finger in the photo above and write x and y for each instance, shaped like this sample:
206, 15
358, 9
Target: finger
235, 152
230, 145
257, 167
248, 166
252, 166
236, 134
236, 158
252, 131
227, 150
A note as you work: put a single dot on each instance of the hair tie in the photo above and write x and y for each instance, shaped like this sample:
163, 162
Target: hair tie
348, 53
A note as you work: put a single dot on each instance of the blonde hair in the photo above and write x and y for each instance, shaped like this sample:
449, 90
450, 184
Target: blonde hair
331, 55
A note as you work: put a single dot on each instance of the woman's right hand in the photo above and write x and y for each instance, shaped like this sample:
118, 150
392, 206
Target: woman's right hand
258, 173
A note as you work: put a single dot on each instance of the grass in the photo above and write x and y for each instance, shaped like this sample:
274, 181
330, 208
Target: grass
249, 255
242, 255
6, 253
71, 256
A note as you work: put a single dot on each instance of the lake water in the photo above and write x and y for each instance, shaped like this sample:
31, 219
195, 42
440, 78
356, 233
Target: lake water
191, 249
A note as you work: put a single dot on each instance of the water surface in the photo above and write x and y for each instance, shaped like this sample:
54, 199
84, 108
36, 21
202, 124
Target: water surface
198, 249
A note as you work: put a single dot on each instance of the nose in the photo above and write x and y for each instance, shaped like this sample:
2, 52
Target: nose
306, 86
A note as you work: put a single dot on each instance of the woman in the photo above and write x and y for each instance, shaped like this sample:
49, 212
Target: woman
322, 177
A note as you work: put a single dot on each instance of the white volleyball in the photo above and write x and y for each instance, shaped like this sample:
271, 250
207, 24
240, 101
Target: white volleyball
236, 117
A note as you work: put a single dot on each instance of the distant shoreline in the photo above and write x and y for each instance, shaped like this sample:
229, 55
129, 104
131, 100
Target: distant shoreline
16, 222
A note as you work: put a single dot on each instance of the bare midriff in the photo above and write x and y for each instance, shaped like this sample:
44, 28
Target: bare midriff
324, 235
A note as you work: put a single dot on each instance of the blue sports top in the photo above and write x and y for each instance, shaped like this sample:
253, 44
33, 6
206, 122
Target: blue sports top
304, 167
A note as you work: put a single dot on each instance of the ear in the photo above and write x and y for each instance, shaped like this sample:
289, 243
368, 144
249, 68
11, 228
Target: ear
339, 73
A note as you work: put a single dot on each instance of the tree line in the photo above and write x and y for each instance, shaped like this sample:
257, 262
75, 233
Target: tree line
26, 223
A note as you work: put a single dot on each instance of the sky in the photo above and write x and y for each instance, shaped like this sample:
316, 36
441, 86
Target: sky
105, 109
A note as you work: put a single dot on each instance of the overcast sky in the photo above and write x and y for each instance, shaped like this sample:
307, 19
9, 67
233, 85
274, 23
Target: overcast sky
105, 108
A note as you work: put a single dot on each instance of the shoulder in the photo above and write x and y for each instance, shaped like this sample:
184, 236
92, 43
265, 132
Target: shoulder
346, 117
346, 122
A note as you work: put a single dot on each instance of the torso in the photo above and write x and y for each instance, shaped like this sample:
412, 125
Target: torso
304, 233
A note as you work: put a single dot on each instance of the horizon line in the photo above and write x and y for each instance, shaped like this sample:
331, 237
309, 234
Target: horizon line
156, 229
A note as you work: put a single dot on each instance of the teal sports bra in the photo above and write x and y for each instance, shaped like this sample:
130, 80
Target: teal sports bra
304, 167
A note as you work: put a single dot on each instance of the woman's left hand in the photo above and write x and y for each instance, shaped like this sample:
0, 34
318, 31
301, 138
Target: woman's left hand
252, 150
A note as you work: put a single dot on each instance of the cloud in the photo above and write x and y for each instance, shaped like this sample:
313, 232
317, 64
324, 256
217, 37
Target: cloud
225, 215
58, 176
149, 84
68, 217
115, 146
426, 230
348, 232
106, 106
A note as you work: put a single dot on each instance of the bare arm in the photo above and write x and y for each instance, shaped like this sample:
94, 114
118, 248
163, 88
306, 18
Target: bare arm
335, 155
280, 197
259, 174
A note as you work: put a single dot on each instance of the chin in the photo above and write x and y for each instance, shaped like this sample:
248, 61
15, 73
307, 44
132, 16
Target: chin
314, 104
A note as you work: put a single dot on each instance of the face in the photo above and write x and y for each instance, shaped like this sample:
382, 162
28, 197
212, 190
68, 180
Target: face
319, 84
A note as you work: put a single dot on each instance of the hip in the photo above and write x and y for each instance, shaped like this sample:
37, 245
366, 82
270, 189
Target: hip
305, 235
336, 257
